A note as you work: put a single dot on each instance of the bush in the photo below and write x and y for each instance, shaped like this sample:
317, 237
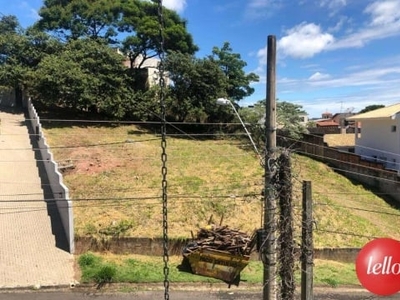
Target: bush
88, 260
105, 274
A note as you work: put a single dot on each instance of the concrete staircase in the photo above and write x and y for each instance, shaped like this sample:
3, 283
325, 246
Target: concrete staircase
30, 254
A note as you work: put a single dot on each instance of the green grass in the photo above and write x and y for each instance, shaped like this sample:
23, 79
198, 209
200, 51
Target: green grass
119, 181
142, 269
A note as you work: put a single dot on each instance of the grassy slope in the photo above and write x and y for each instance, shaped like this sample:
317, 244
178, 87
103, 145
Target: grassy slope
213, 177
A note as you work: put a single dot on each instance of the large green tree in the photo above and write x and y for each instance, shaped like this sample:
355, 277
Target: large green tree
130, 24
288, 121
141, 22
197, 83
73, 19
233, 66
20, 53
133, 26
86, 75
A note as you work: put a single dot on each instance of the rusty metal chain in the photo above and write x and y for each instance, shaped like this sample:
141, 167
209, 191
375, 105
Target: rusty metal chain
164, 170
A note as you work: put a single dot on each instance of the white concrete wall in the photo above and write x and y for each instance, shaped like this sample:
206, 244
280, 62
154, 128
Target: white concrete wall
59, 190
378, 142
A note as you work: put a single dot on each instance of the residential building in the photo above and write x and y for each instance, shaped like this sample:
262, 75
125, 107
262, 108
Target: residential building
380, 137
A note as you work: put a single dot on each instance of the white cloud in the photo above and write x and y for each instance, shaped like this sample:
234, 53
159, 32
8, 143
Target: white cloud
304, 40
339, 25
308, 39
384, 12
384, 22
318, 76
377, 76
333, 4
262, 8
177, 5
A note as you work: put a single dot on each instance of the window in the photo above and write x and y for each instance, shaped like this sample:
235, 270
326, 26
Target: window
393, 128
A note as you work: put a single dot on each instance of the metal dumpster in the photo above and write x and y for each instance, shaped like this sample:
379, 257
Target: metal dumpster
217, 264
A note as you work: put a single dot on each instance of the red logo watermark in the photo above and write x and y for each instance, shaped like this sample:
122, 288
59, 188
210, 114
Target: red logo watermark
378, 266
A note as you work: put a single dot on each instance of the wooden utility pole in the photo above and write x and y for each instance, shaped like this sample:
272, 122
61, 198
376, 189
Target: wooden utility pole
307, 248
269, 251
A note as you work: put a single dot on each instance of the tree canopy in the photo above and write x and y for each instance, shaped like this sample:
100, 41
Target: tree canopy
288, 120
21, 51
197, 83
69, 59
73, 19
132, 25
231, 64
85, 75
371, 108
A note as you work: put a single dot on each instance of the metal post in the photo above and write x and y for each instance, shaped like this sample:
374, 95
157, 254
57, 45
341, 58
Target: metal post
307, 244
269, 251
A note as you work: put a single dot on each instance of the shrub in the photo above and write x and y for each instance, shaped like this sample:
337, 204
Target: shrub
105, 274
88, 260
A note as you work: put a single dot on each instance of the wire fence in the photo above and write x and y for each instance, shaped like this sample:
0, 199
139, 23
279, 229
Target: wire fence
193, 197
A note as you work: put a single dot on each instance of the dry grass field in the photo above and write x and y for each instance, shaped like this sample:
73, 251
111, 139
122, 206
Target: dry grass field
115, 183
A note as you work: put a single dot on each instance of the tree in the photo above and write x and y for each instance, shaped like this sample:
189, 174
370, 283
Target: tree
20, 53
132, 25
371, 108
232, 66
73, 19
141, 21
86, 75
197, 83
9, 24
288, 118
138, 20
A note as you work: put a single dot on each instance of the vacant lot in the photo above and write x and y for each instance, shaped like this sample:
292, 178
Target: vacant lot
114, 176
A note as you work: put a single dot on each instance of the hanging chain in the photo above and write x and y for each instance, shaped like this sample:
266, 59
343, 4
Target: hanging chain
163, 153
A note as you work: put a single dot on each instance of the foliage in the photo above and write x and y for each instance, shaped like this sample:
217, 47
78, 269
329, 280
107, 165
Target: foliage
105, 274
94, 268
197, 83
288, 117
231, 64
140, 20
76, 68
20, 52
104, 19
9, 24
86, 75
88, 259
371, 108
73, 19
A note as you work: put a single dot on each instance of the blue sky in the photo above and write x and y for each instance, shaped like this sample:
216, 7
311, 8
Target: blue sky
333, 55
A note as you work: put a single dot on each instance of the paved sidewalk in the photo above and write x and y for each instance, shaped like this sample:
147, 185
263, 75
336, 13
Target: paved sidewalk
28, 252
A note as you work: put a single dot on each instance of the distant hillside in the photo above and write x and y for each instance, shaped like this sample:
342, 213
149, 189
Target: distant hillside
114, 176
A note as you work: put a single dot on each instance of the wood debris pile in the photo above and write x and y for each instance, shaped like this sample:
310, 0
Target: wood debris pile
222, 238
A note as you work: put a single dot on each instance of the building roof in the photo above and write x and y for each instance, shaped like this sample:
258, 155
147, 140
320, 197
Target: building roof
326, 122
380, 113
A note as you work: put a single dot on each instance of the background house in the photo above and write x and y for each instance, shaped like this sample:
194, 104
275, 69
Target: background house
380, 138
